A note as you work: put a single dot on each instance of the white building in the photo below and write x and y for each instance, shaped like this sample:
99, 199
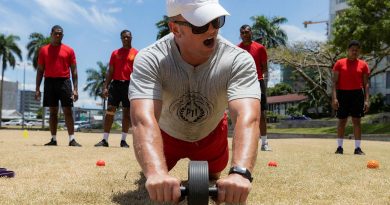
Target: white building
10, 95
379, 83
27, 103
335, 8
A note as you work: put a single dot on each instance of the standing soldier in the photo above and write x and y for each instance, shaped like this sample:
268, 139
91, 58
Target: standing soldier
350, 95
118, 78
54, 61
259, 54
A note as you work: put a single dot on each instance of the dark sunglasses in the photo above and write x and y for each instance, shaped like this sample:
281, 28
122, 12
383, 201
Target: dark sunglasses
217, 23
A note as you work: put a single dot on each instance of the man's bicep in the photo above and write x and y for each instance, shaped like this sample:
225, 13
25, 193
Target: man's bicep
111, 69
248, 108
365, 79
335, 76
145, 110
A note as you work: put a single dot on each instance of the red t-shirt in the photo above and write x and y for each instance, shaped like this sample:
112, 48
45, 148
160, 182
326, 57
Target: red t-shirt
259, 54
351, 73
122, 61
56, 60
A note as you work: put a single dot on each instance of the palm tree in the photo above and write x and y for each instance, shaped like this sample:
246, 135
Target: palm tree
163, 28
268, 32
8, 50
95, 82
37, 40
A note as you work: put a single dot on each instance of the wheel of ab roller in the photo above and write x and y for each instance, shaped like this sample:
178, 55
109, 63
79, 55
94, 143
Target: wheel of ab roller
198, 183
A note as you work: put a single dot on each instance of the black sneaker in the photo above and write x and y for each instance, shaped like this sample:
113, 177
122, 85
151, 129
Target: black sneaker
339, 150
102, 143
73, 143
124, 144
359, 151
51, 143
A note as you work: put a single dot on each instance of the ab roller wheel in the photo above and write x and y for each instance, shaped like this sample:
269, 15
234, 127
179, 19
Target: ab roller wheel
198, 191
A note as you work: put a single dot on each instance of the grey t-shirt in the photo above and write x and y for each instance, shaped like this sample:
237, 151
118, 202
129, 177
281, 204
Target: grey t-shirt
194, 99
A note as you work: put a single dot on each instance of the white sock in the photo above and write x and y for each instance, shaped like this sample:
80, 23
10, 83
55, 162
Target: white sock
357, 143
340, 142
105, 136
124, 135
264, 140
54, 137
71, 137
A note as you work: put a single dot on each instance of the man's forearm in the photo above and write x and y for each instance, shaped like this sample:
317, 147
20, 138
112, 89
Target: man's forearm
148, 149
38, 80
334, 95
107, 81
147, 140
245, 143
75, 81
366, 93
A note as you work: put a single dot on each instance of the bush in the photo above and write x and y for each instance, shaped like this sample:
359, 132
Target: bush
294, 111
377, 103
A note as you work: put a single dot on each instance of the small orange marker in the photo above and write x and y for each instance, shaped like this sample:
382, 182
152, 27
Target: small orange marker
373, 164
272, 164
101, 163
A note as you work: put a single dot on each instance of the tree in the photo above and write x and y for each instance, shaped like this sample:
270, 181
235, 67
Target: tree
279, 89
95, 82
163, 28
8, 50
367, 21
268, 32
313, 61
37, 40
40, 113
377, 103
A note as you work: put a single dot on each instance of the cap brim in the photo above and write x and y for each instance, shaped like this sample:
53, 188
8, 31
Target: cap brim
203, 15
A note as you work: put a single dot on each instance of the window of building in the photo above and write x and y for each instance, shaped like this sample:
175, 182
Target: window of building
388, 79
388, 99
340, 1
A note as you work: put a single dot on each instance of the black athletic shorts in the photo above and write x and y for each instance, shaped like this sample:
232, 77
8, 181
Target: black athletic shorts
118, 92
263, 88
57, 89
351, 103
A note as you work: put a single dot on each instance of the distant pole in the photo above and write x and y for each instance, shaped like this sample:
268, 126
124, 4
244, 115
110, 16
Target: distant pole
23, 97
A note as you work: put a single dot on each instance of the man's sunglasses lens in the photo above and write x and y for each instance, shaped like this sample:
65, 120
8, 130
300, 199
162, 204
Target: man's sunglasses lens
217, 23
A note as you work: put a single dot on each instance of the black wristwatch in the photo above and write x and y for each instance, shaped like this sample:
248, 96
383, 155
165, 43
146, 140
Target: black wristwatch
241, 171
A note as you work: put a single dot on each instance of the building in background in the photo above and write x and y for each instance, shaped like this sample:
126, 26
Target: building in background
280, 104
27, 102
10, 95
336, 7
380, 83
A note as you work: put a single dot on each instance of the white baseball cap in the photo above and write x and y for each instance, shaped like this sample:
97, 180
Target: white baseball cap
197, 12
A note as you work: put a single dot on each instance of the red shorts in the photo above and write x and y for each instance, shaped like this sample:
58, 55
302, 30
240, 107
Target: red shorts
213, 148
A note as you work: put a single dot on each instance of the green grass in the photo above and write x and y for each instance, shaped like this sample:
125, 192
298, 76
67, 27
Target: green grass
380, 128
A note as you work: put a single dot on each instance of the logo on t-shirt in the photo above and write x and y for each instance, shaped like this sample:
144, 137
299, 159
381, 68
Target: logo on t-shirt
191, 108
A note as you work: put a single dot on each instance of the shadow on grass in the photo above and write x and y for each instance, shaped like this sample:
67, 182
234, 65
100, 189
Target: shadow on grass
139, 196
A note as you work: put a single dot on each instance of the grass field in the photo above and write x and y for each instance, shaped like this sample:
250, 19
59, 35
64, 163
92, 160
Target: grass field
308, 172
